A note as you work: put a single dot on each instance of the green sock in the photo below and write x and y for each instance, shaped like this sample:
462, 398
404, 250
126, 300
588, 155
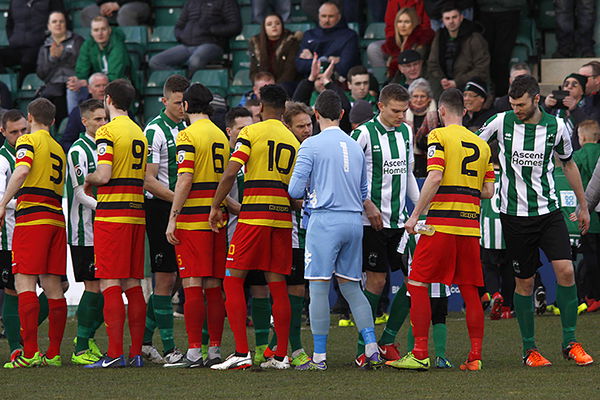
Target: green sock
440, 333
150, 321
410, 339
85, 319
205, 335
12, 325
297, 305
566, 300
43, 308
398, 313
99, 316
374, 302
524, 311
163, 313
261, 318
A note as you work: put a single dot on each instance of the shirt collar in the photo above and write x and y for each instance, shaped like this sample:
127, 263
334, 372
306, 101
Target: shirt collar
172, 124
383, 128
88, 139
10, 148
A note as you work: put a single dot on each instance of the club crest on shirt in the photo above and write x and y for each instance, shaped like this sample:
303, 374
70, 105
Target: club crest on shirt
21, 153
78, 170
101, 149
430, 151
237, 146
180, 156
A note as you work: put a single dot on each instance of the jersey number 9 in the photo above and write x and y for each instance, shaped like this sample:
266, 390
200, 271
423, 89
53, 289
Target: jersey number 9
137, 150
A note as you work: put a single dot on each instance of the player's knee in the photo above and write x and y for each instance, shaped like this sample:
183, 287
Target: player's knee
375, 282
524, 287
565, 274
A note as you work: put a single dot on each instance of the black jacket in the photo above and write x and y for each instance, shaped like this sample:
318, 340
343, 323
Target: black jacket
27, 21
208, 21
121, 2
304, 91
434, 7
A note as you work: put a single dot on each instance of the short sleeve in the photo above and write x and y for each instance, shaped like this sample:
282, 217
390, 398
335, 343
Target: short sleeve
489, 129
154, 145
411, 148
436, 159
563, 146
242, 150
25, 151
361, 138
77, 167
186, 153
105, 146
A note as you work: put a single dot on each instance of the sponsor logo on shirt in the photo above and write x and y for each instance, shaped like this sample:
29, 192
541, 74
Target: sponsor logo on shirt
526, 158
394, 167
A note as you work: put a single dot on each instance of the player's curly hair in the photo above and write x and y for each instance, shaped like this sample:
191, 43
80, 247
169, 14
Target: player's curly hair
524, 84
273, 96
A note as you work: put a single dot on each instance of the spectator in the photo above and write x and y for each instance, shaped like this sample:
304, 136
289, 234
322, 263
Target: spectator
502, 104
260, 9
260, 79
391, 11
409, 33
274, 50
477, 100
6, 102
420, 107
574, 108
458, 53
26, 30
501, 21
105, 52
253, 105
434, 10
331, 41
95, 85
410, 68
361, 112
358, 83
575, 20
349, 8
591, 70
56, 63
127, 12
203, 30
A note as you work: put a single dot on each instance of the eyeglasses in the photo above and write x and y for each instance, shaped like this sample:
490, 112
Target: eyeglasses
571, 83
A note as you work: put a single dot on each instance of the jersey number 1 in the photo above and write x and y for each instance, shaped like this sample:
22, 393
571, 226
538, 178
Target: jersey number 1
467, 160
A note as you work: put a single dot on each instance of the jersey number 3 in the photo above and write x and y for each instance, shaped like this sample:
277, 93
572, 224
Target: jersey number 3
469, 159
58, 167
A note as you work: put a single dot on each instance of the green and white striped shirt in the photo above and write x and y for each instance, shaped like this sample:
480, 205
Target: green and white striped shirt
161, 133
7, 166
82, 160
298, 232
527, 161
236, 193
389, 155
491, 227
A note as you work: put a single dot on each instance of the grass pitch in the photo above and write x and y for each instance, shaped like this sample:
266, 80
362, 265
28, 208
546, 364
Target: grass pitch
502, 377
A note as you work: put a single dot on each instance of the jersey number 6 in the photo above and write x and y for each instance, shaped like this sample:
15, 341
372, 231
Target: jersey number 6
473, 157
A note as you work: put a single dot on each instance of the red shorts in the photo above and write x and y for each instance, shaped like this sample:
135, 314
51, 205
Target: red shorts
119, 250
39, 249
445, 258
201, 253
261, 247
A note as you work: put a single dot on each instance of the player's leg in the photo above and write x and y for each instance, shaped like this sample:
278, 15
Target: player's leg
215, 315
10, 305
260, 305
296, 294
114, 315
28, 314
439, 312
57, 317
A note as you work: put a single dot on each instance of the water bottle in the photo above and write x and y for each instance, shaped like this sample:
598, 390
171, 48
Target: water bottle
424, 229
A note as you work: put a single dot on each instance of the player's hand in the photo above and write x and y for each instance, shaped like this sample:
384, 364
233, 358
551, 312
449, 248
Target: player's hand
2, 214
315, 68
410, 224
171, 238
583, 216
374, 215
306, 54
215, 219
328, 73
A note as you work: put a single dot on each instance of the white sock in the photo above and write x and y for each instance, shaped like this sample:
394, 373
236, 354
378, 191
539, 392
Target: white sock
318, 357
194, 354
370, 349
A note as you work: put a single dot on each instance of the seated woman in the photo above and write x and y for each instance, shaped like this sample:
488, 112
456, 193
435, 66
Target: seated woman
421, 113
409, 33
274, 50
56, 62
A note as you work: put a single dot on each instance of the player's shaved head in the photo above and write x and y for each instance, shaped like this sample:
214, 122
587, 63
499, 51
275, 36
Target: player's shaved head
42, 111
452, 100
175, 84
89, 106
273, 97
11, 116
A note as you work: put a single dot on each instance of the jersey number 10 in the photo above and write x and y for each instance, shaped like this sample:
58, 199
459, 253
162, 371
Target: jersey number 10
275, 152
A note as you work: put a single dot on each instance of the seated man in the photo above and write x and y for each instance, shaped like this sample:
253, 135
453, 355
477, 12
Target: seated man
502, 104
358, 83
203, 29
410, 68
458, 52
260, 79
104, 52
127, 12
332, 41
475, 96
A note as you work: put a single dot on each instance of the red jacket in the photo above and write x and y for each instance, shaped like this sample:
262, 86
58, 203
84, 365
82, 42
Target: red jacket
392, 9
420, 39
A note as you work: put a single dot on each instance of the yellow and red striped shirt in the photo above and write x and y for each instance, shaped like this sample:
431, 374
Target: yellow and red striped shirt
122, 144
464, 159
203, 151
268, 150
39, 200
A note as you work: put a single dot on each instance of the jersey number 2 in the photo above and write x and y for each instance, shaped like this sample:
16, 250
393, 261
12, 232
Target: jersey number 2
467, 160
58, 167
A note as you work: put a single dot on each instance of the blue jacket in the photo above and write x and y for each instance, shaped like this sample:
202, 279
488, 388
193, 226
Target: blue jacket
339, 41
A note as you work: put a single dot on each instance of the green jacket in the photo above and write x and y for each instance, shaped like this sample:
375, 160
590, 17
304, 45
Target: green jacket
586, 159
502, 5
113, 60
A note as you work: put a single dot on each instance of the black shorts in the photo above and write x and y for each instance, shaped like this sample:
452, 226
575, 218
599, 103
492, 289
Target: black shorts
380, 250
162, 253
439, 309
493, 256
296, 277
83, 263
7, 279
524, 236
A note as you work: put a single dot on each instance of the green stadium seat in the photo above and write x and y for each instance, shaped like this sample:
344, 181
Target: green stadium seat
136, 73
161, 38
550, 44
167, 3
246, 13
136, 38
3, 38
241, 40
58, 134
527, 34
77, 4
302, 27
245, 2
520, 54
166, 15
240, 59
152, 107
75, 16
242, 78
546, 17
10, 80
156, 80
82, 31
31, 83
380, 74
297, 14
375, 31
233, 101
3, 18
354, 26
215, 79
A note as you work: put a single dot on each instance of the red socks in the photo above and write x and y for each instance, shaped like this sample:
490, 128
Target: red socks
29, 308
57, 319
475, 319
193, 310
136, 315
281, 315
114, 319
420, 319
216, 314
236, 311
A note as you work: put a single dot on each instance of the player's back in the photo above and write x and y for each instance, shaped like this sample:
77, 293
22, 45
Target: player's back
203, 151
268, 149
122, 144
39, 201
464, 159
